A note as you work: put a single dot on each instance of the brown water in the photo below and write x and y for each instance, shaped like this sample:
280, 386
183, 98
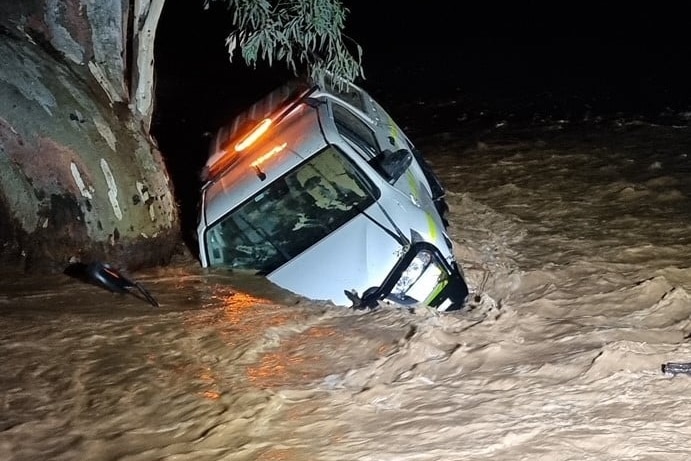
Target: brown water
576, 241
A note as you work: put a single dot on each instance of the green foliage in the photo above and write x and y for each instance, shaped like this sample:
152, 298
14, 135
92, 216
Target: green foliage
306, 34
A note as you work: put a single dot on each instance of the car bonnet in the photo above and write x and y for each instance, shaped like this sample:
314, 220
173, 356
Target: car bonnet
357, 256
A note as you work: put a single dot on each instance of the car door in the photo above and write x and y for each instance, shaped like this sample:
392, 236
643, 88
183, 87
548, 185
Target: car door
372, 143
388, 132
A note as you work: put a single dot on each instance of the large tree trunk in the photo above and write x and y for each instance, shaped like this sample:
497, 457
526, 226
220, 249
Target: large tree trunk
80, 177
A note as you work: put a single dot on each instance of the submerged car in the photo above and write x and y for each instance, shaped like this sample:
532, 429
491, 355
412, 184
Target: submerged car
316, 188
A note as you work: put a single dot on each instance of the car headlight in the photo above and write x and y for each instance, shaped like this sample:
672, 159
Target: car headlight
422, 276
421, 281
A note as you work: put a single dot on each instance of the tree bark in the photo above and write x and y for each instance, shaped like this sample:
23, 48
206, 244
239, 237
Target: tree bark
80, 177
147, 14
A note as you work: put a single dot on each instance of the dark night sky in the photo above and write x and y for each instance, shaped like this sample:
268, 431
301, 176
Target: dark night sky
635, 54
624, 51
635, 57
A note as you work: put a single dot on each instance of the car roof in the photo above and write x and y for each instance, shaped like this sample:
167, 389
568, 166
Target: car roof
294, 134
273, 105
295, 137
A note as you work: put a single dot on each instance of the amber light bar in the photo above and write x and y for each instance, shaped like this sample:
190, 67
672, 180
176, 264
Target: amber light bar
268, 155
253, 135
229, 155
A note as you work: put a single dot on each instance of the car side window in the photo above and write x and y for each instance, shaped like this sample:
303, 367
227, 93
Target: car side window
355, 130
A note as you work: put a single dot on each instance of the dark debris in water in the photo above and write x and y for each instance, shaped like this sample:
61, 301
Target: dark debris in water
675, 368
105, 276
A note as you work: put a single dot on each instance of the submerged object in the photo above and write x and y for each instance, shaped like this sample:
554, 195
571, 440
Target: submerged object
674, 368
106, 276
316, 188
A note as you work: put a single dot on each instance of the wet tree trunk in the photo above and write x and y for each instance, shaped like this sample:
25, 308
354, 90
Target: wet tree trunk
80, 177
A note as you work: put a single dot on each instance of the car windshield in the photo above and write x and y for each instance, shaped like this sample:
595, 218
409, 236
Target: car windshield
291, 214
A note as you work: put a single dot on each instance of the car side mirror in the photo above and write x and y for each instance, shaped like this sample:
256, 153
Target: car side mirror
394, 164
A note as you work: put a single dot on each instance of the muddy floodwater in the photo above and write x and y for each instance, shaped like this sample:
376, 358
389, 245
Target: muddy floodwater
576, 242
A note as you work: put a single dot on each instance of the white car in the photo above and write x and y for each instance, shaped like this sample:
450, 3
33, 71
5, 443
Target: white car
316, 188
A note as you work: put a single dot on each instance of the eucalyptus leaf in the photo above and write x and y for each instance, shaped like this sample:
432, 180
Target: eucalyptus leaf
307, 35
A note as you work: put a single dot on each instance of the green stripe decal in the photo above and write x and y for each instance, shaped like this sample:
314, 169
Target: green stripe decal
436, 292
432, 226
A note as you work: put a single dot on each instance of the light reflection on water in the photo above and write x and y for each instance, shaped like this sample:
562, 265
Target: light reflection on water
583, 274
